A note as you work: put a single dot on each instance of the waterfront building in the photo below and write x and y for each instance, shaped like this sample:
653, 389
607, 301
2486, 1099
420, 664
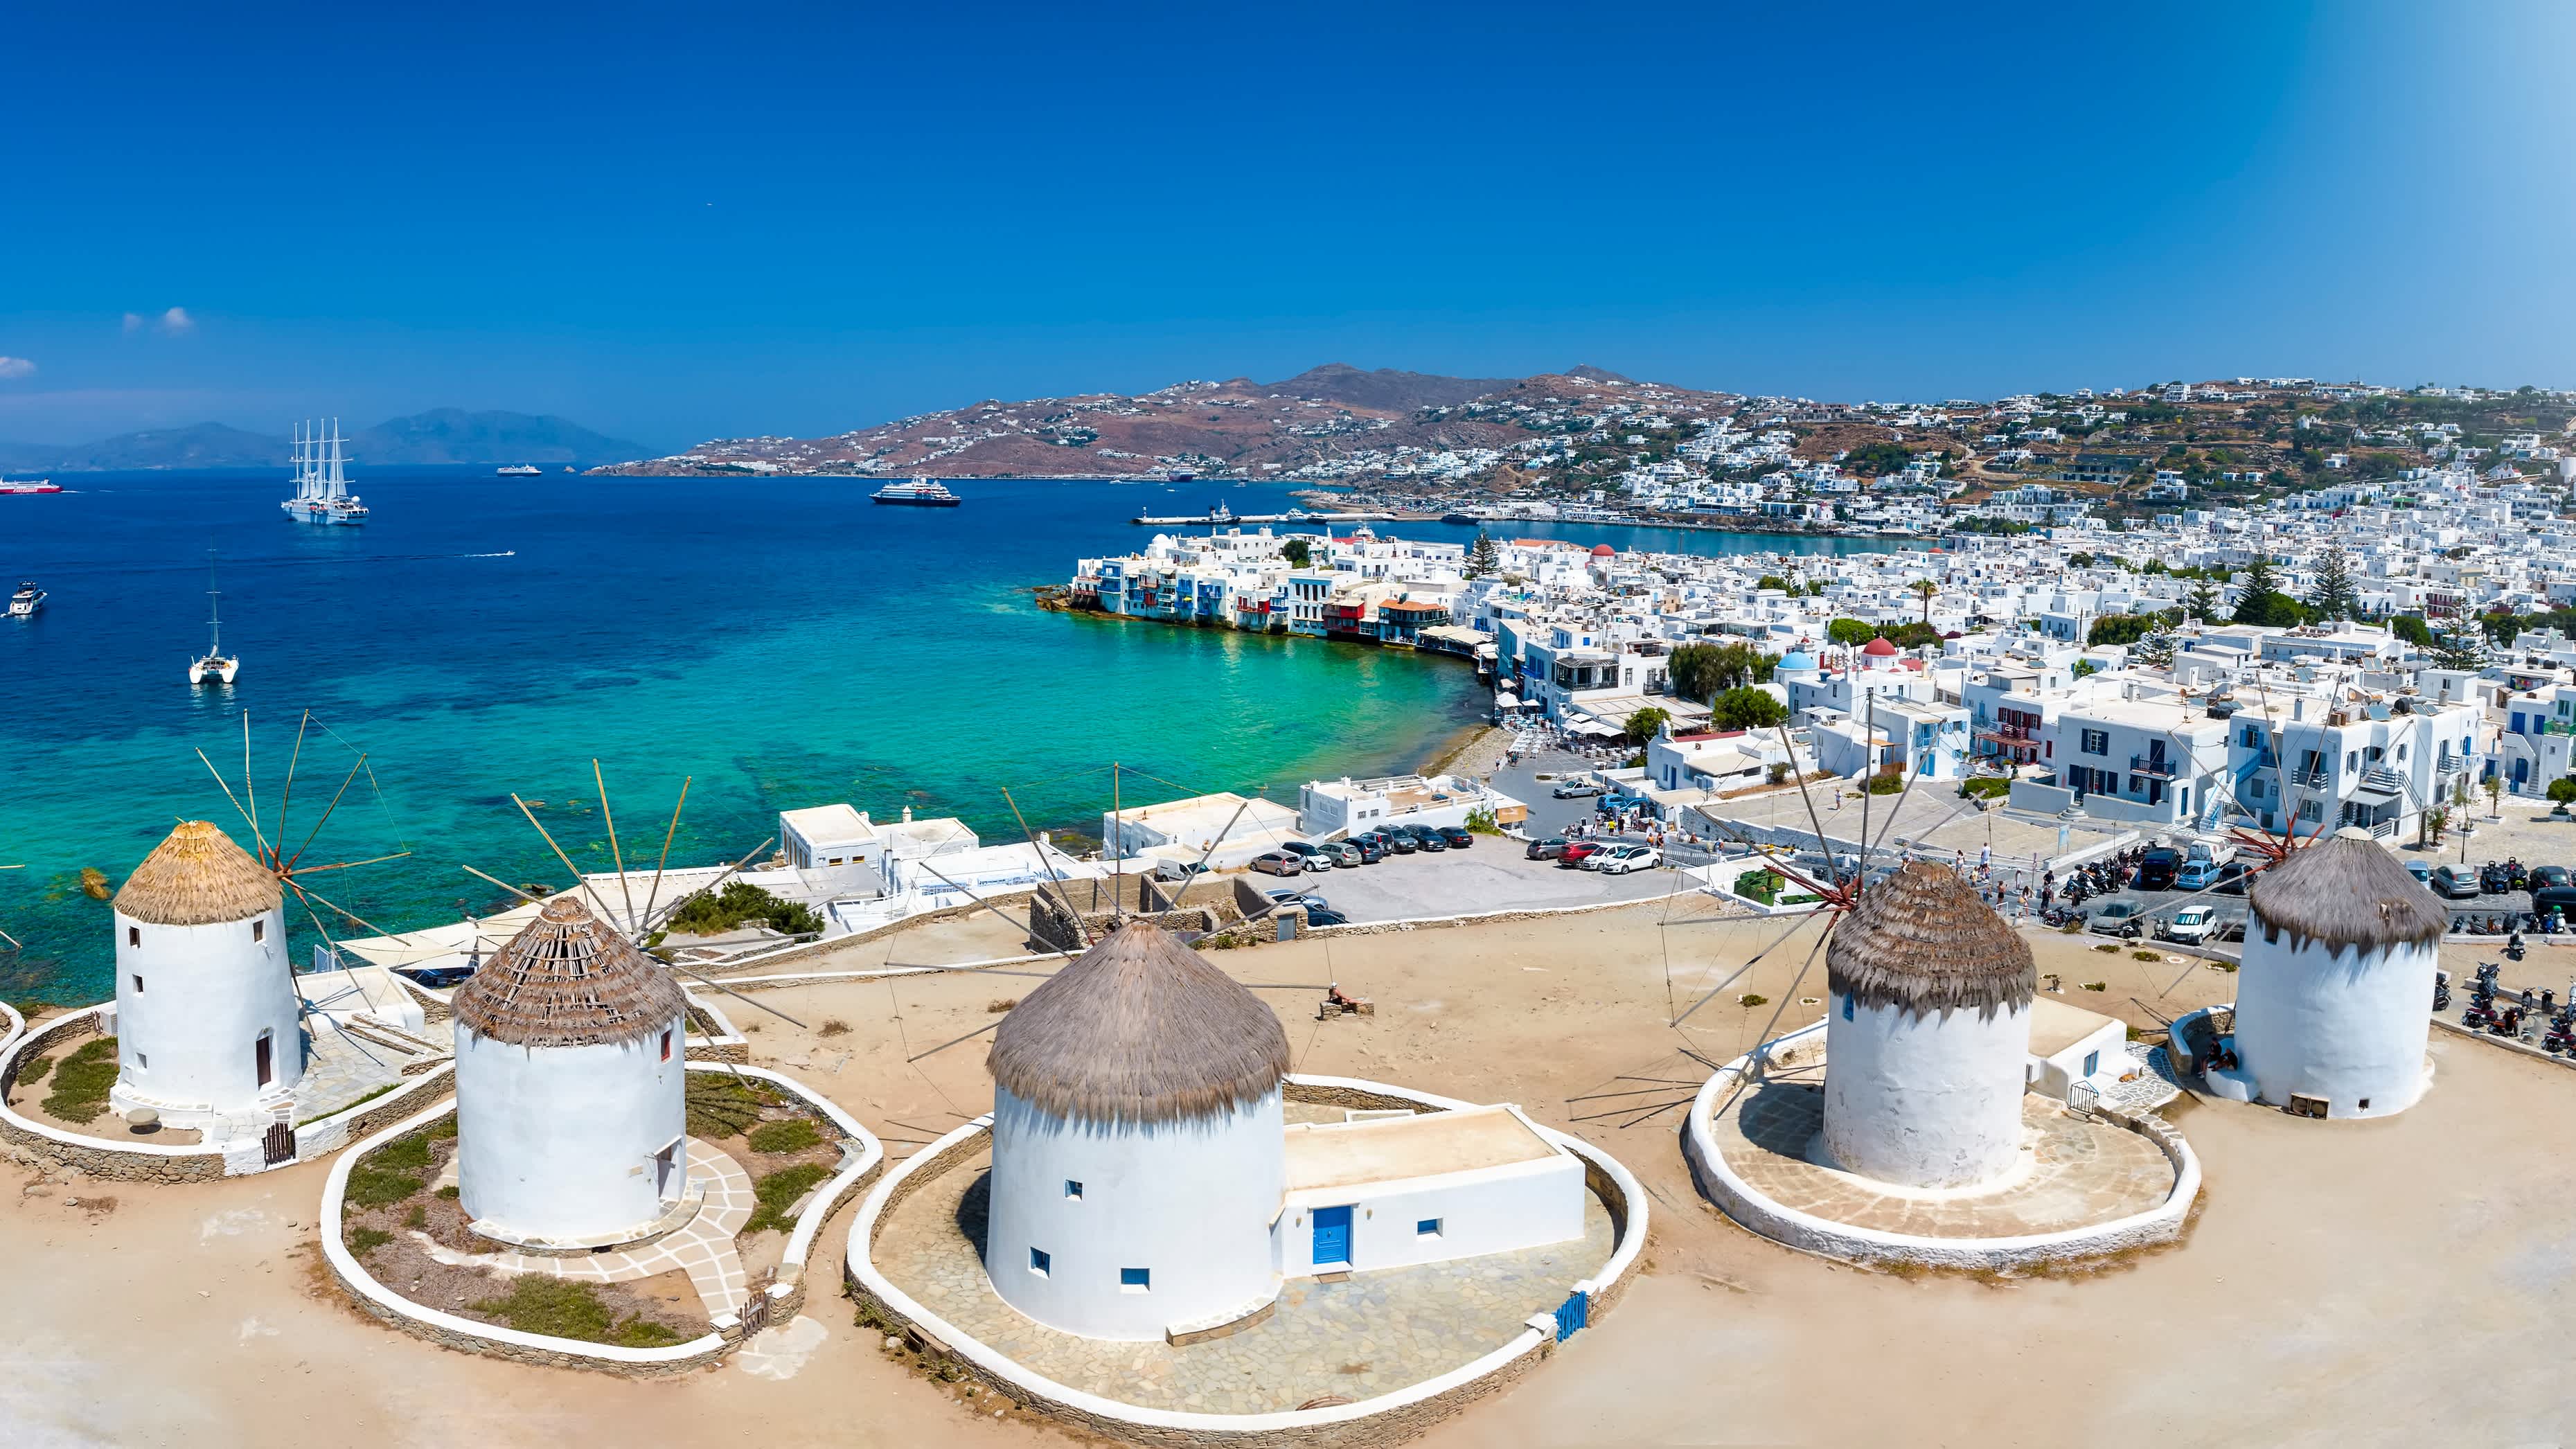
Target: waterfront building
208, 1023
2331, 1003
571, 1110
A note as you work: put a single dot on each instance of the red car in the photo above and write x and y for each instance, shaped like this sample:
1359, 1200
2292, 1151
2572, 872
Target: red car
1576, 851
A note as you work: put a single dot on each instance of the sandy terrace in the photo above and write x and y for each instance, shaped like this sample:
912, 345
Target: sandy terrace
2403, 1281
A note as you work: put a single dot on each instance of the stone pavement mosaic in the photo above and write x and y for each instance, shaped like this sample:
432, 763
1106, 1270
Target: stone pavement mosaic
704, 1249
339, 1069
1371, 1334
2086, 1171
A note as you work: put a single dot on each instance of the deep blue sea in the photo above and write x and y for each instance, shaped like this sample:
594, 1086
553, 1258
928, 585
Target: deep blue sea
781, 642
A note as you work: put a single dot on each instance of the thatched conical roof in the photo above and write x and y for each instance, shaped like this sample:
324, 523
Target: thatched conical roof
1921, 940
568, 979
1141, 1029
197, 877
2347, 890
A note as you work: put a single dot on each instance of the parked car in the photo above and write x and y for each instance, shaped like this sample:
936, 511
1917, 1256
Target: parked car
1344, 854
1428, 838
2456, 883
1576, 851
1308, 899
1279, 862
1548, 849
2191, 924
1576, 790
2158, 868
2420, 870
1317, 917
1372, 848
2233, 931
1399, 840
1621, 859
1179, 869
2545, 876
2197, 873
2119, 918
2232, 878
1458, 836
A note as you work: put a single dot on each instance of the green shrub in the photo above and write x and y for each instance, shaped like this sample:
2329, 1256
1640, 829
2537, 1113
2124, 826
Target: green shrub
739, 903
408, 1153
559, 1309
373, 1186
793, 1135
1891, 783
363, 1241
34, 1072
2107, 946
1752, 999
82, 1080
418, 1217
2148, 955
779, 1191
1986, 787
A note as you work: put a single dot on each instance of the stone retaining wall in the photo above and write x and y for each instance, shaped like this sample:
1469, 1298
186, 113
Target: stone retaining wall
1386, 1419
96, 1156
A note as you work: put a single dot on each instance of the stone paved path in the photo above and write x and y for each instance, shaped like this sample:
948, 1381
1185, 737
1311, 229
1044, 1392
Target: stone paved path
704, 1249
339, 1069
1373, 1334
2085, 1171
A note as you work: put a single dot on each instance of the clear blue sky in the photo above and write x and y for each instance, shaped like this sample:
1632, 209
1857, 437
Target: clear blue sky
674, 222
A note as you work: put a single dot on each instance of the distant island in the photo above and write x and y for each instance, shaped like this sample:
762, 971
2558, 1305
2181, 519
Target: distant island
441, 435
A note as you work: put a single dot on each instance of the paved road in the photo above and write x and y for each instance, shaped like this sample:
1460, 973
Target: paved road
1548, 815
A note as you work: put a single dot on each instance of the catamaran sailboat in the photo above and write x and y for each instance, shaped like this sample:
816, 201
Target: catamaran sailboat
216, 665
321, 486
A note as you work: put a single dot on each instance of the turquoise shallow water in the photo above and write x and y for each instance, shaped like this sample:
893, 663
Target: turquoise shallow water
784, 643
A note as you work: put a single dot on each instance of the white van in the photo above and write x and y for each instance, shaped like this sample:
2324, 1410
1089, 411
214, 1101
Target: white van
2192, 923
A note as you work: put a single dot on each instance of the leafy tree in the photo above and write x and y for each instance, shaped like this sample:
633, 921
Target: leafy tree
2262, 601
1298, 553
1774, 581
1914, 635
1483, 557
2411, 628
2333, 597
2121, 628
1876, 459
1643, 724
2562, 790
2084, 669
1924, 589
2202, 601
2458, 646
2079, 560
1699, 671
1747, 709
1850, 631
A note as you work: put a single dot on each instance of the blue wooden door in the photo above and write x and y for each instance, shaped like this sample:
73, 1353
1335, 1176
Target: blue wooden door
1332, 1237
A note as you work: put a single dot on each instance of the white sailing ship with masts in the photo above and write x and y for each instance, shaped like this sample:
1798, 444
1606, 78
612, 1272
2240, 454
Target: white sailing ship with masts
321, 483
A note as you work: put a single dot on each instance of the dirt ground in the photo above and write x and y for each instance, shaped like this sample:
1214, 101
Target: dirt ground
2401, 1281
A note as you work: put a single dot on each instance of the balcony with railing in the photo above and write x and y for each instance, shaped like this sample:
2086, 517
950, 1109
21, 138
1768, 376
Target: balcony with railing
2155, 765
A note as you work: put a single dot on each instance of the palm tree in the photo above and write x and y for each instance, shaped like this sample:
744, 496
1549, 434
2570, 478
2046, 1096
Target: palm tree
1924, 589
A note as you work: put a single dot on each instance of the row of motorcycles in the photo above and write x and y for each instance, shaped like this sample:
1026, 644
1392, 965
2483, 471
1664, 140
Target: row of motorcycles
2516, 1017
2084, 882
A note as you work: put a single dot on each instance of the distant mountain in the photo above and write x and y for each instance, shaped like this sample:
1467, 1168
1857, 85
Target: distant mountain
200, 445
1387, 388
1238, 428
453, 435
441, 435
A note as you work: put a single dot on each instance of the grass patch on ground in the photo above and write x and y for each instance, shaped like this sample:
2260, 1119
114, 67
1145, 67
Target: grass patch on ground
81, 1084
793, 1135
559, 1309
392, 1172
363, 1241
720, 1105
779, 1191
345, 1106
34, 1072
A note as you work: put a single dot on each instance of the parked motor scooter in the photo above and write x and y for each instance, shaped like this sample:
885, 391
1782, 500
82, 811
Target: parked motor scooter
2513, 948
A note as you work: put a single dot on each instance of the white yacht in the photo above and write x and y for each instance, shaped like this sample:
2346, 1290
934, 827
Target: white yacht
321, 485
520, 470
24, 603
215, 666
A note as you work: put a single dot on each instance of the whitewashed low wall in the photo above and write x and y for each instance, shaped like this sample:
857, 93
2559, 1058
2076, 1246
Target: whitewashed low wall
1830, 1239
450, 1330
1383, 1419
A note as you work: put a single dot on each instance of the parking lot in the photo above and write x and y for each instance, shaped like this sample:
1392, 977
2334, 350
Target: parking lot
1493, 875
2161, 905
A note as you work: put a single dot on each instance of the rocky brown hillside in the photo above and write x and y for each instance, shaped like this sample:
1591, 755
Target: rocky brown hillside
1238, 427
